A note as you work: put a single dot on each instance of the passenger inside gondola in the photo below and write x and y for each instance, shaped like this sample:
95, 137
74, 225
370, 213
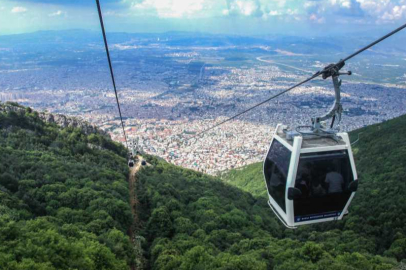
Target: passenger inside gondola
317, 178
334, 181
326, 189
303, 182
317, 190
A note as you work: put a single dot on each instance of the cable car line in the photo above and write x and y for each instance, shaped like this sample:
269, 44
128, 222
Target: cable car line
111, 68
374, 43
253, 107
309, 179
326, 72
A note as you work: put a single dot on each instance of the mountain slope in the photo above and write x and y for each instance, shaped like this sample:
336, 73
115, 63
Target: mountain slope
63, 196
248, 178
378, 211
64, 204
194, 221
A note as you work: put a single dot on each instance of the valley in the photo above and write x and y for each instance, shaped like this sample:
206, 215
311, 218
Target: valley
174, 85
184, 219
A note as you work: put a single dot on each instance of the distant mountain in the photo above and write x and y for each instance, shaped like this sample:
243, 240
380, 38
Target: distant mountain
378, 211
81, 39
80, 48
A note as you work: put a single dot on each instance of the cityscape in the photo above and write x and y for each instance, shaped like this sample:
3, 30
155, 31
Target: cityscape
165, 134
169, 92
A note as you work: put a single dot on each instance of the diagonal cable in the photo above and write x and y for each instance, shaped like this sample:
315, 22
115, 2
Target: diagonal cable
326, 72
373, 43
257, 105
111, 68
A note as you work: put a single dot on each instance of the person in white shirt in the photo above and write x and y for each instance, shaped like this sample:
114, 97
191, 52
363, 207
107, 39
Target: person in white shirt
335, 182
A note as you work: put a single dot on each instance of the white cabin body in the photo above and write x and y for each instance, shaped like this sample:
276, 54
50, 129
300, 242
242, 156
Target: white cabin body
309, 180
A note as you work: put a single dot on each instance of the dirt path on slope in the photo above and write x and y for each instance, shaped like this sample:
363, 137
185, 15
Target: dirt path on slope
133, 196
132, 181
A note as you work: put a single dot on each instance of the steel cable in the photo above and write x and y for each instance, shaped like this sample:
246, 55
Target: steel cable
111, 68
324, 71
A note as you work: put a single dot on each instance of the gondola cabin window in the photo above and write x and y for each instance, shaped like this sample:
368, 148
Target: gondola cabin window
323, 179
276, 171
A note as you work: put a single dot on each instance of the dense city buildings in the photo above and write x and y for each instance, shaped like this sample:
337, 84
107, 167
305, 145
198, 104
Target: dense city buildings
169, 94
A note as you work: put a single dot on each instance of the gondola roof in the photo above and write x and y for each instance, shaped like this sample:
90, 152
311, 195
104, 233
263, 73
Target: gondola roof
310, 142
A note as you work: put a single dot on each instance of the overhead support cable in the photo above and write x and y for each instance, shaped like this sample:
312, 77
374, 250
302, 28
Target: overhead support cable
255, 106
374, 43
111, 69
326, 72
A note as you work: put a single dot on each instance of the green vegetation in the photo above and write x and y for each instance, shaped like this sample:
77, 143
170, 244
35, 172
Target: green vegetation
378, 211
193, 221
248, 178
63, 197
64, 205
380, 205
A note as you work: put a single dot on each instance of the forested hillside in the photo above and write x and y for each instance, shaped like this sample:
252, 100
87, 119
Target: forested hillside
63, 197
249, 178
64, 205
378, 211
194, 221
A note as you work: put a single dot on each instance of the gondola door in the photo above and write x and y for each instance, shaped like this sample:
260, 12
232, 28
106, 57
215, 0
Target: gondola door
279, 170
326, 182
276, 167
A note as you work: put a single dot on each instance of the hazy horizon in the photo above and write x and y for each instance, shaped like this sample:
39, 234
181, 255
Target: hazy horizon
236, 17
364, 32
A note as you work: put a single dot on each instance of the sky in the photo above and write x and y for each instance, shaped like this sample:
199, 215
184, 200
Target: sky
246, 17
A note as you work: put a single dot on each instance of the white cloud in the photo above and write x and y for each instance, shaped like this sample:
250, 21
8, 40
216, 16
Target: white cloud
309, 4
316, 19
396, 13
356, 11
291, 12
18, 10
384, 10
205, 8
342, 3
171, 8
273, 13
346, 4
313, 17
56, 13
245, 7
350, 11
280, 3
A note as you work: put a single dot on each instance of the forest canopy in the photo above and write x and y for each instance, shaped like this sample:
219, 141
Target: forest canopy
63, 196
64, 204
378, 211
194, 221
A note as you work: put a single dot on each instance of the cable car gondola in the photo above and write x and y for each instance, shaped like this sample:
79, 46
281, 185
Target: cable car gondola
134, 152
131, 162
311, 175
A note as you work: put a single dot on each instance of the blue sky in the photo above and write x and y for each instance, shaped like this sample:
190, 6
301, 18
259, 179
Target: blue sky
216, 16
